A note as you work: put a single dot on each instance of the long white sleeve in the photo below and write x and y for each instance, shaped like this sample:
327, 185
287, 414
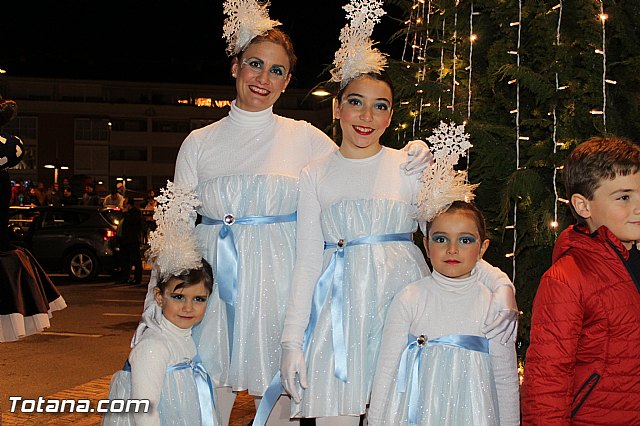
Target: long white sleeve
309, 255
149, 361
492, 277
505, 373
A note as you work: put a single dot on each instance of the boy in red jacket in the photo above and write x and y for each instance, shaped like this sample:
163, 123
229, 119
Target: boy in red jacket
583, 363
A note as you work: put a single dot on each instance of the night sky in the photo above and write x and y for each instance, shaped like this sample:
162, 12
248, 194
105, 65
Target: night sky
178, 41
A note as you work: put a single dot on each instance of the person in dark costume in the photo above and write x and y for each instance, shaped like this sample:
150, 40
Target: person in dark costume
27, 295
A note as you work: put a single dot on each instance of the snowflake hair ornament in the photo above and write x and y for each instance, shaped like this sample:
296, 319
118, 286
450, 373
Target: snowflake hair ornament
357, 55
441, 184
173, 245
246, 19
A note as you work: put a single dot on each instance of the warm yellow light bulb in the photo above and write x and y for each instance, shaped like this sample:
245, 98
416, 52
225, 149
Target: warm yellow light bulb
603, 17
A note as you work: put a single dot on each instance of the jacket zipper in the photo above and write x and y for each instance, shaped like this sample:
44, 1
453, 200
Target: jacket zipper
595, 378
624, 262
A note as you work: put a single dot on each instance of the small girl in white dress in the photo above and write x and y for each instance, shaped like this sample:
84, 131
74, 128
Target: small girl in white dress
164, 368
436, 367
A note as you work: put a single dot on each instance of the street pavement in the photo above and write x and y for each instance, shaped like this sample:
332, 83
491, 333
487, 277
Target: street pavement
75, 358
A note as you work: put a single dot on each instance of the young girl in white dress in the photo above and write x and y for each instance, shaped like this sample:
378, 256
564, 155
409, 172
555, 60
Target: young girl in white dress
163, 368
436, 366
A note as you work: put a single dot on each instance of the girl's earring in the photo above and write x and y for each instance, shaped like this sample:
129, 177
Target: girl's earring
282, 90
233, 75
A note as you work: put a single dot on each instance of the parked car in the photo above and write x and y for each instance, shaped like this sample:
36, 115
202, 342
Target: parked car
78, 240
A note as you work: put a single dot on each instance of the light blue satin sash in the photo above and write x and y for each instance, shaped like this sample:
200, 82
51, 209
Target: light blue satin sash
227, 258
333, 279
268, 401
472, 343
206, 395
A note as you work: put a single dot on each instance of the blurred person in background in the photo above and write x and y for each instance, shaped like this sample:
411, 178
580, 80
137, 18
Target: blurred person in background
130, 235
114, 199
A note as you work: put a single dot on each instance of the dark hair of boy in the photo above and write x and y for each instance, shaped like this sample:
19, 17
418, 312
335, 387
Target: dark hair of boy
595, 160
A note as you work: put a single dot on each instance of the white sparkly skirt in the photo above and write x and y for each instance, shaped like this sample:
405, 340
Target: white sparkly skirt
373, 274
266, 255
455, 387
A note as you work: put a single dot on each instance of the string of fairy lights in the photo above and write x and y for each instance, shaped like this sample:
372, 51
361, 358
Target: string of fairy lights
454, 82
516, 111
603, 51
472, 38
419, 38
554, 223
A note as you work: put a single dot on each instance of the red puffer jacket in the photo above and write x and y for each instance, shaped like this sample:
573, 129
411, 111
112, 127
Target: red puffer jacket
583, 363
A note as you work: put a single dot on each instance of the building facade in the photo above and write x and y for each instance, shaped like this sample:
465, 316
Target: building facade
109, 131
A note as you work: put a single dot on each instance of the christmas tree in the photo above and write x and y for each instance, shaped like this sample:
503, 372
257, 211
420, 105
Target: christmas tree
531, 79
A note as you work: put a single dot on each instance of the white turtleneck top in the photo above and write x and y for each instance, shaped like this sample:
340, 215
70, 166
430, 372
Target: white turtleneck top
250, 143
438, 306
161, 345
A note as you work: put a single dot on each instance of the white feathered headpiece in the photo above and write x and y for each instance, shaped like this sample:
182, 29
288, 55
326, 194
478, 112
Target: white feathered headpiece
441, 184
245, 20
357, 55
173, 245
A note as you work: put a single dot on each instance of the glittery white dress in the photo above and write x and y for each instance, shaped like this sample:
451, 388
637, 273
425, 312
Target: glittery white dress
346, 199
173, 395
248, 164
455, 386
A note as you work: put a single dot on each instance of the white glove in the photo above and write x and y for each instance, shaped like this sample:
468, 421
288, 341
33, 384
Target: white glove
419, 157
292, 363
502, 317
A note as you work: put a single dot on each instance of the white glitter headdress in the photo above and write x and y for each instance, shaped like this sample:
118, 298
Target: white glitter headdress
441, 184
174, 248
357, 55
245, 20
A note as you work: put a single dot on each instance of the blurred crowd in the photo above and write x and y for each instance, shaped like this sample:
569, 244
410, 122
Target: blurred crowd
28, 194
63, 194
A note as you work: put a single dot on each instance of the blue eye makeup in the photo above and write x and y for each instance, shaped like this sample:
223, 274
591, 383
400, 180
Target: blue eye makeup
277, 70
468, 239
440, 239
177, 296
382, 106
256, 65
